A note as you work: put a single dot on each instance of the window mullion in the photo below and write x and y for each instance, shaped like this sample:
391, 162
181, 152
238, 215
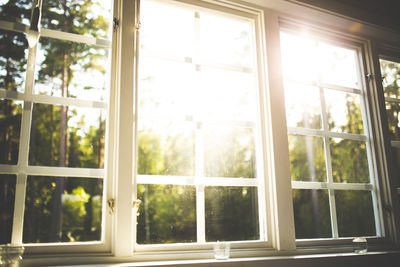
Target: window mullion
281, 191
23, 154
125, 122
328, 164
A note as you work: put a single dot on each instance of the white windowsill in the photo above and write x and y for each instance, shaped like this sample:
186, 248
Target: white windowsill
383, 258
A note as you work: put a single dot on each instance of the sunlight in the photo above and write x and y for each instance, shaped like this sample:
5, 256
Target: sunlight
308, 62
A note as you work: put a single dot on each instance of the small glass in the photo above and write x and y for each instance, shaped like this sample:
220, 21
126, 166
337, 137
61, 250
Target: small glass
11, 255
221, 250
360, 245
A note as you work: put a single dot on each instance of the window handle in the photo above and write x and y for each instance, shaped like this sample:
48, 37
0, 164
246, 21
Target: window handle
136, 204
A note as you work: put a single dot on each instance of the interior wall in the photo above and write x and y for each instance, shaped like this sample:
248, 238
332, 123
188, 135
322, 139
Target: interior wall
378, 12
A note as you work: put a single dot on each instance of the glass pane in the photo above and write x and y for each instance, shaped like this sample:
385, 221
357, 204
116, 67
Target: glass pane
229, 152
82, 132
391, 81
7, 197
355, 213
393, 115
15, 11
81, 17
311, 214
225, 40
343, 112
157, 20
166, 89
307, 158
10, 126
167, 214
299, 60
72, 70
338, 65
396, 164
59, 209
231, 213
226, 95
303, 108
13, 57
165, 148
349, 161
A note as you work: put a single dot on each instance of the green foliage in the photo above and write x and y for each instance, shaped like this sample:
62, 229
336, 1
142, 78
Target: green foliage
168, 214
81, 209
391, 82
349, 164
231, 213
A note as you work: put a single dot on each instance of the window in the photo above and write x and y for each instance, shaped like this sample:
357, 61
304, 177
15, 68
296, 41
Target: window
53, 115
390, 71
199, 162
332, 171
184, 105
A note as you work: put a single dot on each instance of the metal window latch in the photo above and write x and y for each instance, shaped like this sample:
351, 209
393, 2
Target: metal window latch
369, 76
138, 25
136, 204
111, 205
115, 23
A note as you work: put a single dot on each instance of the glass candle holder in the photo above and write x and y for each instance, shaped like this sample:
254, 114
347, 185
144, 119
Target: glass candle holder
221, 250
11, 255
360, 245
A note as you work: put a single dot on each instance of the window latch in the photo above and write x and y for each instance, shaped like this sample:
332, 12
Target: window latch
136, 204
115, 23
111, 205
369, 76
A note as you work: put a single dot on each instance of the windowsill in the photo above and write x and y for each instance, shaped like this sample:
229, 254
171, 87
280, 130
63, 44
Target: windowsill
373, 258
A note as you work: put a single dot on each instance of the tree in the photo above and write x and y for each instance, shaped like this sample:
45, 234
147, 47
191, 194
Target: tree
54, 141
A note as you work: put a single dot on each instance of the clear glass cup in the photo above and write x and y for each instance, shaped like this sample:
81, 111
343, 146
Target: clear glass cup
11, 255
360, 245
221, 250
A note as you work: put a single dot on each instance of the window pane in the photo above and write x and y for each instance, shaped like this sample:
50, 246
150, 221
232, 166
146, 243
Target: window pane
167, 214
396, 164
7, 197
81, 17
167, 94
299, 60
229, 152
226, 95
225, 40
391, 81
15, 11
165, 148
82, 132
10, 126
303, 108
61, 209
13, 57
355, 213
231, 213
337, 65
393, 115
349, 161
343, 112
307, 158
72, 69
311, 213
176, 42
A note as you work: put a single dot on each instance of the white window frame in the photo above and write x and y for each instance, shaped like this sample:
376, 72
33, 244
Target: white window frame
119, 224
22, 169
392, 200
358, 46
